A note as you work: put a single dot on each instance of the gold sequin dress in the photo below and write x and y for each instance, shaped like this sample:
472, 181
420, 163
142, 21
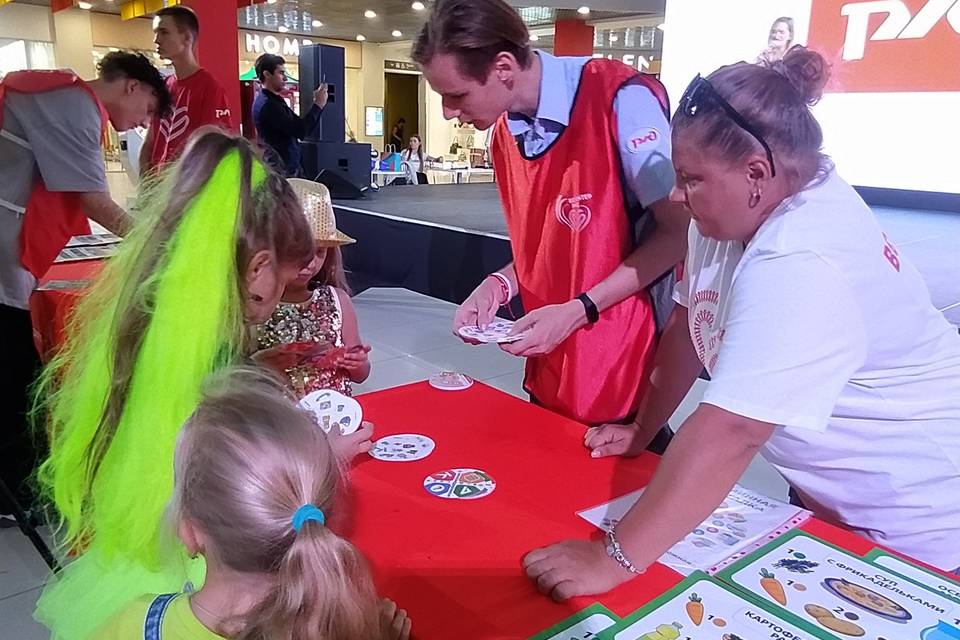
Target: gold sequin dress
319, 319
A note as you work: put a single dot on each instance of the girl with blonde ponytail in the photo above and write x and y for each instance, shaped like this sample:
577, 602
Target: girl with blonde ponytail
255, 481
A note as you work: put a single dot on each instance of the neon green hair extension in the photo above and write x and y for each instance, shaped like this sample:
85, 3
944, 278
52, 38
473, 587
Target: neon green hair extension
193, 326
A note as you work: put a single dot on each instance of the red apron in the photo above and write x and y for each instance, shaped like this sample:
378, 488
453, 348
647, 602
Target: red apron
52, 217
569, 229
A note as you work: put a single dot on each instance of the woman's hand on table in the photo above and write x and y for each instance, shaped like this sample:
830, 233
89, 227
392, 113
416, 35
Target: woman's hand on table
615, 440
348, 447
574, 568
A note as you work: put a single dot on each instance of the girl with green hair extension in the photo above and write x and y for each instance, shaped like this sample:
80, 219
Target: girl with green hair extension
218, 238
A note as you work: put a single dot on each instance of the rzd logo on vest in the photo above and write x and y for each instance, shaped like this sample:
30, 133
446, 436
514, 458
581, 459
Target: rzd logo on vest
573, 213
889, 45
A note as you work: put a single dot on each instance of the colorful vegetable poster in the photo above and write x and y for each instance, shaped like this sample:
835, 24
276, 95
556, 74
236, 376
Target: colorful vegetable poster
701, 608
828, 590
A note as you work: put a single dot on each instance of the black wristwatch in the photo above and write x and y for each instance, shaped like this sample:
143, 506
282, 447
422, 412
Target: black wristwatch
593, 314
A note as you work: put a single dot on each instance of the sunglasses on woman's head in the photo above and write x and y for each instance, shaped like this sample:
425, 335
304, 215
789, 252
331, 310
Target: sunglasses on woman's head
701, 92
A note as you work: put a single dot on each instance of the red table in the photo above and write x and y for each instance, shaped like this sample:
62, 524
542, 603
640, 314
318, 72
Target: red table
50, 310
455, 564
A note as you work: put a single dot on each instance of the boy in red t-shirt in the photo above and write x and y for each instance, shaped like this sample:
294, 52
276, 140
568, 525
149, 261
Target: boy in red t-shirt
198, 99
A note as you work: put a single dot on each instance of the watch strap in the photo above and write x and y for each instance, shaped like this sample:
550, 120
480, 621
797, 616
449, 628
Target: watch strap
593, 314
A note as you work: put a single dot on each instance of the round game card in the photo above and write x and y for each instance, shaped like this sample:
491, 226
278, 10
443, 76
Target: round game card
403, 447
332, 407
450, 381
460, 484
497, 331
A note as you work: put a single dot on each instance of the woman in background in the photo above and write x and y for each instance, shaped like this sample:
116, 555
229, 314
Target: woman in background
778, 42
413, 155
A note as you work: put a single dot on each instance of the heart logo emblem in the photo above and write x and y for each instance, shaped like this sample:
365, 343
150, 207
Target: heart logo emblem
176, 125
573, 213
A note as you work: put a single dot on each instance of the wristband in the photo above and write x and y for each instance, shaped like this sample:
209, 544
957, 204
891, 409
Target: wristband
615, 552
593, 314
505, 287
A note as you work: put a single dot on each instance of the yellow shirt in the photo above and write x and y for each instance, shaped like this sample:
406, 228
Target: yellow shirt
179, 623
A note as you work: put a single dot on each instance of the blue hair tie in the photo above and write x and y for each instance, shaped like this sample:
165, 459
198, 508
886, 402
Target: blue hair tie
305, 514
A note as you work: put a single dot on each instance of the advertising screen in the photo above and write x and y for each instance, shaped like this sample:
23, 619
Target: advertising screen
891, 112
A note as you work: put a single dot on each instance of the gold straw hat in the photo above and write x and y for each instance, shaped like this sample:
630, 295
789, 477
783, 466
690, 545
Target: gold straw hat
315, 200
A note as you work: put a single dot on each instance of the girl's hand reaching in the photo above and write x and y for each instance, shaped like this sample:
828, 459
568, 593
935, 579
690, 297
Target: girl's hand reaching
350, 446
394, 623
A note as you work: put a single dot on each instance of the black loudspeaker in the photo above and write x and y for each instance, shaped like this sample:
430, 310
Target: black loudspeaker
340, 186
351, 160
322, 63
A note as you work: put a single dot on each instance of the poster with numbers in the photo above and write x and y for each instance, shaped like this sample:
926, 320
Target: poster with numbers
915, 573
831, 591
702, 608
586, 624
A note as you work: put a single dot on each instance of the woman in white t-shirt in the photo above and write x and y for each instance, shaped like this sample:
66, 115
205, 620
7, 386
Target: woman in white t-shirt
824, 350
413, 155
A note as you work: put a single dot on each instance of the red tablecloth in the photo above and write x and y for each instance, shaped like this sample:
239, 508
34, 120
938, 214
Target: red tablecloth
50, 310
455, 564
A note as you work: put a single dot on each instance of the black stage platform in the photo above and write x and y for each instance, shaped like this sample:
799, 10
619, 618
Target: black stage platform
439, 240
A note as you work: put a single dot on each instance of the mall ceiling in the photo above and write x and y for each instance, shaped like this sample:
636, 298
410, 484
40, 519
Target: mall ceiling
345, 19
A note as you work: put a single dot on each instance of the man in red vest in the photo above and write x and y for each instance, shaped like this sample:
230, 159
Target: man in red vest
198, 99
581, 152
52, 178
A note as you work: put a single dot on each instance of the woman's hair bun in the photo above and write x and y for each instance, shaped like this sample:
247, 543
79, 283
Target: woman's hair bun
806, 70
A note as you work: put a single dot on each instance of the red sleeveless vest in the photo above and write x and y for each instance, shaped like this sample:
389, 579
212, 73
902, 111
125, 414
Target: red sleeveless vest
52, 218
569, 229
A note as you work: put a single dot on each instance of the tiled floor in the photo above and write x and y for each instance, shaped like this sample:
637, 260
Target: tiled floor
411, 339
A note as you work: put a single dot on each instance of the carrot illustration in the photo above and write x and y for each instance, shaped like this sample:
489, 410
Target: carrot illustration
773, 587
695, 609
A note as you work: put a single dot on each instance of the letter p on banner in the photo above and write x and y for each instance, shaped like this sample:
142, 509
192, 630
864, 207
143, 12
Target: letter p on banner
888, 46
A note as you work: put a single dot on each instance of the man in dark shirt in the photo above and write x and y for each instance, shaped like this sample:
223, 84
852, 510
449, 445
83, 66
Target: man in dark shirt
278, 127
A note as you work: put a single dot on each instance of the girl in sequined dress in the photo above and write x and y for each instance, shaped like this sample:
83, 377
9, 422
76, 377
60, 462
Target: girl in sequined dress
316, 308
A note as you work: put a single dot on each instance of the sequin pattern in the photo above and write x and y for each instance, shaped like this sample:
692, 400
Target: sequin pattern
318, 320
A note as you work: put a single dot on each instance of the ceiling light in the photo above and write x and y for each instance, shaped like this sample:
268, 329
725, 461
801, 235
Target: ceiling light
271, 1
534, 37
361, 37
316, 24
85, 5
396, 34
583, 10
418, 6
369, 14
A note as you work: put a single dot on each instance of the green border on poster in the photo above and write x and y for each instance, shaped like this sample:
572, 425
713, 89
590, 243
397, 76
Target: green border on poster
727, 575
877, 552
693, 579
583, 614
